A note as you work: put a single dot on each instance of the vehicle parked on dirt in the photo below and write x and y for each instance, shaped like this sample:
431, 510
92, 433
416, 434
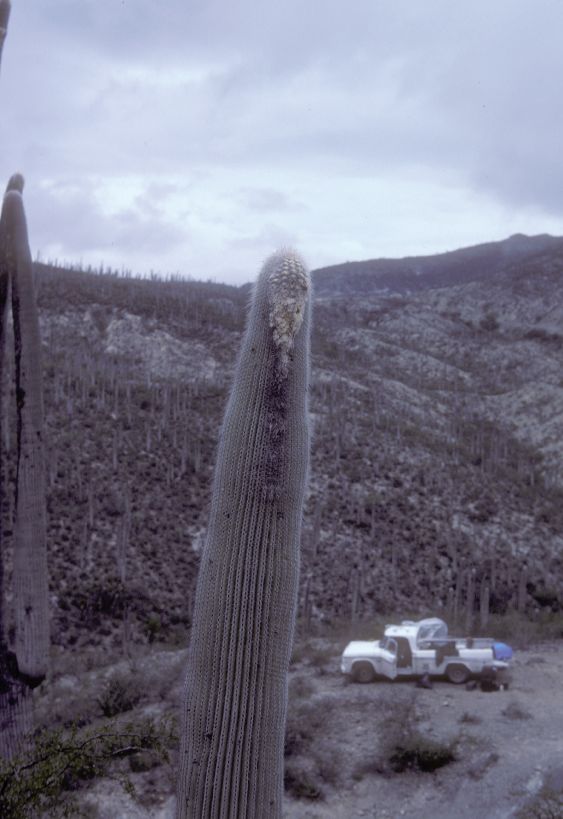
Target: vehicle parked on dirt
424, 648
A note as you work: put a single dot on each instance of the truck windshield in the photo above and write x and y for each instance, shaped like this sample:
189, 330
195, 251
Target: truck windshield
388, 644
432, 631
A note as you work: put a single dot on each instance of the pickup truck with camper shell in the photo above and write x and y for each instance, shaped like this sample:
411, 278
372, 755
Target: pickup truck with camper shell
424, 648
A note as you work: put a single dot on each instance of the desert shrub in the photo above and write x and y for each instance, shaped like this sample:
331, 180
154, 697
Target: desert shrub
144, 761
539, 334
152, 628
522, 631
320, 657
300, 783
92, 659
42, 780
328, 763
96, 599
546, 597
298, 653
175, 636
300, 687
484, 760
483, 509
312, 761
547, 804
470, 719
121, 693
489, 322
304, 724
314, 652
515, 711
414, 753
420, 753
402, 746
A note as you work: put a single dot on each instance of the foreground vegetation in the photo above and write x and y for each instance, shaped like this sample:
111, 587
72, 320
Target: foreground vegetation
102, 718
44, 779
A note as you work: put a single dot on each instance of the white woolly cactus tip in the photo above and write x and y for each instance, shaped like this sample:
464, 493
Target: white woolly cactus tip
288, 290
15, 183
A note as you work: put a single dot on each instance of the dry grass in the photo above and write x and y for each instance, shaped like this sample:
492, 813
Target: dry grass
313, 762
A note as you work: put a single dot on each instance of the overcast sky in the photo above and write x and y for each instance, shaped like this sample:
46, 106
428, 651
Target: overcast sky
196, 136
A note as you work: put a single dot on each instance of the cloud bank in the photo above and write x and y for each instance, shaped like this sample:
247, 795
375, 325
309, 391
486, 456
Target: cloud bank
196, 136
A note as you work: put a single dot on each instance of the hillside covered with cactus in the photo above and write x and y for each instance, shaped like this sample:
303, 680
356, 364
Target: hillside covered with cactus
437, 419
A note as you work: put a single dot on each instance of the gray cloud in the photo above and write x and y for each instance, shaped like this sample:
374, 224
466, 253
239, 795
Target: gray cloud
272, 96
268, 200
69, 216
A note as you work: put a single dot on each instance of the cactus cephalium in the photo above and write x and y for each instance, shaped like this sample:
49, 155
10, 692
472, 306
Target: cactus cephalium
235, 699
30, 550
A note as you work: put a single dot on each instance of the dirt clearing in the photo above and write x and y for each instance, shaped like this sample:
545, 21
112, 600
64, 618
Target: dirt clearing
506, 747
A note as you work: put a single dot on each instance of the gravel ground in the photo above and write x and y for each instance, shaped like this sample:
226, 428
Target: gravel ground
509, 744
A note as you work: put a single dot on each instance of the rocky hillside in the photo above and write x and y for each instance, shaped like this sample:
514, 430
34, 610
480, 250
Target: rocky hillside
436, 464
415, 273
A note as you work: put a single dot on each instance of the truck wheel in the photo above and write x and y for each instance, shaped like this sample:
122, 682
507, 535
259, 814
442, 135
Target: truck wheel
457, 674
363, 673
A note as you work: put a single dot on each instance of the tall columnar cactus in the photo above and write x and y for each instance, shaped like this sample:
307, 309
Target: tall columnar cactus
4, 17
235, 701
15, 680
30, 546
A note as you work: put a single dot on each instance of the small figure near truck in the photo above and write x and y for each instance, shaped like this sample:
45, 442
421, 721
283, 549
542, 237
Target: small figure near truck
424, 648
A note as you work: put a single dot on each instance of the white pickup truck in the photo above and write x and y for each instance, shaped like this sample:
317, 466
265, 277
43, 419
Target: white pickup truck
424, 648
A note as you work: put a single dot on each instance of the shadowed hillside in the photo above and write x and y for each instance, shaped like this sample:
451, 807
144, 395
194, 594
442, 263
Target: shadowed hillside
437, 420
415, 273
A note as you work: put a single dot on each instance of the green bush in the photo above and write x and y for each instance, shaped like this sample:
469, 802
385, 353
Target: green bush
41, 781
152, 628
121, 693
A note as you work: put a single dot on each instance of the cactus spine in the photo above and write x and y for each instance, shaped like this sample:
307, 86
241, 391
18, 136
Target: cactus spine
235, 699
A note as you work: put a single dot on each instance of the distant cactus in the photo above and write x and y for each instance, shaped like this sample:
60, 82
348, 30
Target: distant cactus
30, 547
5, 9
234, 710
25, 666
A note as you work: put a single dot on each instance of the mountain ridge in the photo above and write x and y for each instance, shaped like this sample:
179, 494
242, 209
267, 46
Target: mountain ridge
413, 273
